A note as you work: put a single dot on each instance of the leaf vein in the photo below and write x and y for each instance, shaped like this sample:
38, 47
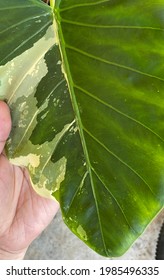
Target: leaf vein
25, 41
61, 136
113, 63
110, 26
76, 192
84, 5
97, 208
21, 22
33, 118
15, 7
118, 111
119, 159
119, 206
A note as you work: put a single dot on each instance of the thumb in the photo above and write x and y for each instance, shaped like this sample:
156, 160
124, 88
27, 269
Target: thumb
5, 124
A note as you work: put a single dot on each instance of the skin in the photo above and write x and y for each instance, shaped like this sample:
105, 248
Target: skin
23, 213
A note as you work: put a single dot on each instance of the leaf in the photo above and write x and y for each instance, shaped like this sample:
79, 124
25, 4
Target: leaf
112, 54
39, 100
99, 150
17, 18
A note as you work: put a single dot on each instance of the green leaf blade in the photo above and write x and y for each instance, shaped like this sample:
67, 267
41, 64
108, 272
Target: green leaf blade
16, 33
115, 76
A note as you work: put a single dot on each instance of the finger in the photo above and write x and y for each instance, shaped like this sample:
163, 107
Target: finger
5, 124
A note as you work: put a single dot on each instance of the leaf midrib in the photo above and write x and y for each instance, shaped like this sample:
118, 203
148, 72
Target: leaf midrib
78, 117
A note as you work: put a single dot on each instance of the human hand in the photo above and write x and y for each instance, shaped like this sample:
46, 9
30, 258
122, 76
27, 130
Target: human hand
23, 213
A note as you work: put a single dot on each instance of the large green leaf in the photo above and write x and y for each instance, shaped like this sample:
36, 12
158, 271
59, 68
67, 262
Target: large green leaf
103, 159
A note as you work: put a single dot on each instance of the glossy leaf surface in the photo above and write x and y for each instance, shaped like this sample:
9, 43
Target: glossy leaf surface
103, 159
113, 57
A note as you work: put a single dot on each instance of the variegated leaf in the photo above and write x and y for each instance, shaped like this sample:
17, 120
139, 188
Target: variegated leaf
96, 145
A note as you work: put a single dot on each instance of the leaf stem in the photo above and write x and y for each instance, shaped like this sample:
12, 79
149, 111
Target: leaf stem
52, 3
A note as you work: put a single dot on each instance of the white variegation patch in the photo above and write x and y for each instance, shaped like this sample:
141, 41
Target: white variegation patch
30, 159
21, 75
49, 183
19, 80
46, 176
82, 233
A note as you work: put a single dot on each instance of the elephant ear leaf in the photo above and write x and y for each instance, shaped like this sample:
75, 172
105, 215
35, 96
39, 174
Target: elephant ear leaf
87, 107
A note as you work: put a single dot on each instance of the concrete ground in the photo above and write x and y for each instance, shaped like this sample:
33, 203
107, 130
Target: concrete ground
57, 242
